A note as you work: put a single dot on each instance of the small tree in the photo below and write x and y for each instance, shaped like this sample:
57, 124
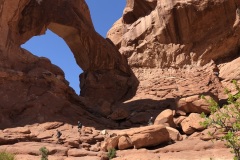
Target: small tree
44, 153
6, 156
227, 119
111, 153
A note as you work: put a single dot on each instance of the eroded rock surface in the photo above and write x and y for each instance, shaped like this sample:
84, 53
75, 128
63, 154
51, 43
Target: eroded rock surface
34, 90
106, 73
26, 141
177, 50
175, 33
175, 47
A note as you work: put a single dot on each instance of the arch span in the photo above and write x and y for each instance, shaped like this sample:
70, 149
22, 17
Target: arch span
106, 72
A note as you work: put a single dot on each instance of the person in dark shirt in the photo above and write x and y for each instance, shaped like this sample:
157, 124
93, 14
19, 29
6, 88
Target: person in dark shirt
59, 134
79, 126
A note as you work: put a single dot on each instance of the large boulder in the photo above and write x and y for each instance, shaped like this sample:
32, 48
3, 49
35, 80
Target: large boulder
137, 137
230, 71
124, 143
174, 134
192, 123
165, 118
148, 136
110, 143
194, 104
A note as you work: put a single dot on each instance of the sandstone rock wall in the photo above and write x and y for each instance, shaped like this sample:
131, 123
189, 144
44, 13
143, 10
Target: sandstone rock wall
155, 33
166, 54
178, 50
34, 90
21, 20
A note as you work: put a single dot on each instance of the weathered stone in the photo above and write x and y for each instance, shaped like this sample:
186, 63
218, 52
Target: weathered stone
51, 125
194, 104
180, 113
124, 143
84, 158
178, 120
192, 123
119, 114
160, 47
81, 153
148, 136
140, 118
230, 71
110, 143
164, 51
137, 154
72, 142
152, 27
106, 74
132, 11
165, 118
174, 134
195, 148
24, 130
196, 120
185, 124
208, 134
11, 138
32, 148
96, 147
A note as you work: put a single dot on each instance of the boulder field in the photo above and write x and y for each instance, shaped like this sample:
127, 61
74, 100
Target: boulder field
157, 61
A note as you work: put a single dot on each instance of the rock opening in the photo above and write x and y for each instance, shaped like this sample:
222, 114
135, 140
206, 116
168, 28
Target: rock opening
54, 48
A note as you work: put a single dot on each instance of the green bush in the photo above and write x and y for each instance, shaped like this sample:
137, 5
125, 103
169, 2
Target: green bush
226, 119
44, 153
111, 153
6, 156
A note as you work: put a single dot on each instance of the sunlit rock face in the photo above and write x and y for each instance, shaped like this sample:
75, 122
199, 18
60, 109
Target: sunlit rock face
34, 89
174, 46
173, 33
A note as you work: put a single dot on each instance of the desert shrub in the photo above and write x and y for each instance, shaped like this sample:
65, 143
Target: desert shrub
111, 153
6, 156
226, 119
44, 153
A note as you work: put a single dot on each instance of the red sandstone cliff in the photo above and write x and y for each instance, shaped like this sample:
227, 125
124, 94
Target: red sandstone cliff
178, 44
34, 90
171, 48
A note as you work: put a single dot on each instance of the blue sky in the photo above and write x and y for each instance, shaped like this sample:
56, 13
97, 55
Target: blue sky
103, 12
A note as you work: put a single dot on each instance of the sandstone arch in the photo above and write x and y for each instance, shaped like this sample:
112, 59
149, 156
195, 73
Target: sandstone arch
106, 72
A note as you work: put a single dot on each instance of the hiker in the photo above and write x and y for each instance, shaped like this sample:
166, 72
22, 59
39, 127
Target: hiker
79, 126
216, 71
58, 136
150, 121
